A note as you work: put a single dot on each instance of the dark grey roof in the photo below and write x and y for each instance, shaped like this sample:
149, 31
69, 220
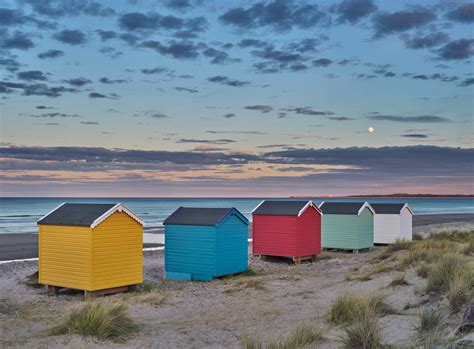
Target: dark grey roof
387, 208
80, 215
200, 216
280, 208
341, 207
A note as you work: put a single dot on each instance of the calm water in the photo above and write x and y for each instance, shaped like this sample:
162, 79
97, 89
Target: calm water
19, 215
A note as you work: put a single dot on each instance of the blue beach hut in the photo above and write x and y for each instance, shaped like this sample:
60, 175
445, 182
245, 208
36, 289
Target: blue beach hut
204, 243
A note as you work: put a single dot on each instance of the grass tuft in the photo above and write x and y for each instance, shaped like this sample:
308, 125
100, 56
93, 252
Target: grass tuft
417, 237
442, 273
347, 308
454, 235
399, 280
303, 335
423, 270
428, 327
101, 320
147, 286
241, 284
468, 248
399, 245
426, 251
453, 277
154, 298
459, 291
365, 333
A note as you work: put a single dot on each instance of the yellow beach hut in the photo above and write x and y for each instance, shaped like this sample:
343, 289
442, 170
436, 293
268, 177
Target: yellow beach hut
92, 247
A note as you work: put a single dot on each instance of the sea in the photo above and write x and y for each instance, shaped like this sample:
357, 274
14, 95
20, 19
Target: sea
19, 215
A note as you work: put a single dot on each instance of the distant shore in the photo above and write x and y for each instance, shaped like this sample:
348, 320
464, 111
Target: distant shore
25, 245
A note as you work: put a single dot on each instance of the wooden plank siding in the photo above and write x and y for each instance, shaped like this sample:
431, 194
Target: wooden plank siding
350, 232
309, 233
274, 235
190, 249
117, 257
65, 256
339, 231
365, 228
231, 247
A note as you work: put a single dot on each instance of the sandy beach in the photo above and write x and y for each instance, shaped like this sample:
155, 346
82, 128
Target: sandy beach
22, 246
267, 303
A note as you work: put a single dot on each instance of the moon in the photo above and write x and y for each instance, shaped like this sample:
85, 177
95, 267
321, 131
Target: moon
371, 129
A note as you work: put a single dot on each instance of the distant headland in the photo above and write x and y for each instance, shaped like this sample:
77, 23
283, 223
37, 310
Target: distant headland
395, 195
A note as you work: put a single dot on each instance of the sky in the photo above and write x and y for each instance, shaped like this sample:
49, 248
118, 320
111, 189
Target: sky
235, 98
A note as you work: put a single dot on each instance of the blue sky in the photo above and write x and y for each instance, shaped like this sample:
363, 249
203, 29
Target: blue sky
213, 98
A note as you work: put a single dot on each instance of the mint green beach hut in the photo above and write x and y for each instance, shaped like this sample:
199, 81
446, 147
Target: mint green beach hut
347, 225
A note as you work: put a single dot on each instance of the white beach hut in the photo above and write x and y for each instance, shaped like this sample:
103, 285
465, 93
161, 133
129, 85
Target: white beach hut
392, 222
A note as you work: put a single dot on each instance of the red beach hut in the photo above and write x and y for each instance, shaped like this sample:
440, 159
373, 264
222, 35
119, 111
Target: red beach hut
287, 229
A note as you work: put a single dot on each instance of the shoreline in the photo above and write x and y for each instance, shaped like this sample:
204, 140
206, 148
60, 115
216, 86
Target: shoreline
25, 245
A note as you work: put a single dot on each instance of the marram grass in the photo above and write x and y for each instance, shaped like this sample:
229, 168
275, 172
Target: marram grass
101, 320
302, 336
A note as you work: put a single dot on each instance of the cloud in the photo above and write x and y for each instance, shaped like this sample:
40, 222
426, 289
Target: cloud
229, 115
457, 50
262, 108
253, 43
322, 62
209, 141
137, 21
185, 89
208, 148
78, 81
340, 118
55, 115
43, 107
89, 123
106, 34
277, 15
18, 40
258, 133
178, 5
307, 111
50, 54
70, 37
34, 89
224, 80
425, 41
9, 63
156, 70
108, 81
176, 49
152, 114
304, 45
277, 55
386, 23
269, 146
219, 57
352, 11
353, 169
32, 75
414, 135
97, 95
419, 118
11, 18
463, 13
467, 82
62, 8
